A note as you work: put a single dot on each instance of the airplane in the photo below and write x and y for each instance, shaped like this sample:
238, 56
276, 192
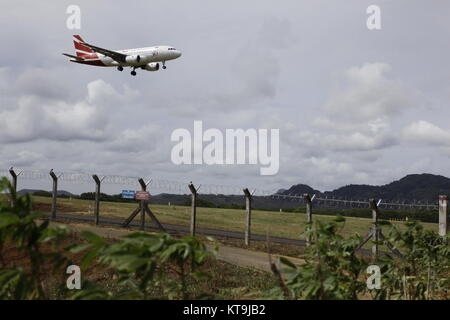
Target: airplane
147, 58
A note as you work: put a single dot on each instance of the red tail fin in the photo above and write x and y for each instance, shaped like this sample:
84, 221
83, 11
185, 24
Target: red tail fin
81, 49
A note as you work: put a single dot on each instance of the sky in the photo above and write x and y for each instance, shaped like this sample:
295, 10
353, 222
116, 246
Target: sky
352, 105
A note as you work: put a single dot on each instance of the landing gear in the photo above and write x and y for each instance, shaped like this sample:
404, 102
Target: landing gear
133, 73
120, 68
164, 65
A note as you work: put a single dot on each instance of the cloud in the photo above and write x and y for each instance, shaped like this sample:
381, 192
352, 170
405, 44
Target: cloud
39, 82
352, 128
136, 140
340, 95
425, 133
357, 141
43, 114
23, 158
368, 94
260, 70
256, 67
358, 116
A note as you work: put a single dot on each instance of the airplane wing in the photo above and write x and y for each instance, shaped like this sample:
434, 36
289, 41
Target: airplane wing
117, 56
73, 57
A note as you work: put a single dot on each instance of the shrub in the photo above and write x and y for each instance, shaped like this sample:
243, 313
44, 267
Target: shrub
332, 270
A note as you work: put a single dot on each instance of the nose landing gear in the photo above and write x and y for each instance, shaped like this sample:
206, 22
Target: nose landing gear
164, 65
120, 68
133, 73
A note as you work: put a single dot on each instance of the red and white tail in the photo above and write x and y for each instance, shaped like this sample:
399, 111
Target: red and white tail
81, 49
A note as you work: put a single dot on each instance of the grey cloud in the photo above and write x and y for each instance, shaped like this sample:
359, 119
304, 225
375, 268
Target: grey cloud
369, 94
352, 106
36, 116
24, 158
39, 82
427, 134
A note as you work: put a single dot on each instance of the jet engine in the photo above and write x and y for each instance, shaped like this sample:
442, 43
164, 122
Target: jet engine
133, 59
151, 66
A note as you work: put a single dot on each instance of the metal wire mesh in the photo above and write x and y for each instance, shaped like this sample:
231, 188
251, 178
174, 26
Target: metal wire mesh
215, 189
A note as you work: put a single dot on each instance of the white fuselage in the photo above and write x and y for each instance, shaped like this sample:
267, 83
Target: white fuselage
142, 56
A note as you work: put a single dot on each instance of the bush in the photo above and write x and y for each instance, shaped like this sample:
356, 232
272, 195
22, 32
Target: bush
18, 225
333, 270
200, 203
144, 263
423, 270
42, 193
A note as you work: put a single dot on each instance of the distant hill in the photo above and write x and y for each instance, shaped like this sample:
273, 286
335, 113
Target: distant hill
33, 191
299, 189
420, 187
25, 191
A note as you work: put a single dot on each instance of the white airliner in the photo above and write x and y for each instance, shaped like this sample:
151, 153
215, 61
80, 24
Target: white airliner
147, 58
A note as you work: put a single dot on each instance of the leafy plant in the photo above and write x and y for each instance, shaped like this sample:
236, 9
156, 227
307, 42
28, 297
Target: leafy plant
146, 265
331, 269
147, 262
422, 272
18, 225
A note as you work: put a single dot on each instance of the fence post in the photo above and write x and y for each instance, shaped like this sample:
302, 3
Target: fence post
375, 230
142, 203
14, 176
309, 220
248, 218
98, 181
443, 216
54, 193
193, 209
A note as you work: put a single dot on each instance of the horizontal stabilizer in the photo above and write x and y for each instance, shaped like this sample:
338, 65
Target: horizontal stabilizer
73, 57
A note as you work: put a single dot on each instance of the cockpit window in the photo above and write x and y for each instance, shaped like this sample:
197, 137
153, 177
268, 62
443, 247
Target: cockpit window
172, 49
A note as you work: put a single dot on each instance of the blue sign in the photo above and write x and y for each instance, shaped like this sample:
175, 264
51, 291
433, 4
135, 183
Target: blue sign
128, 194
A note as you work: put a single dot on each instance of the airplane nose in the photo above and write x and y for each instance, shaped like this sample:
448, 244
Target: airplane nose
178, 53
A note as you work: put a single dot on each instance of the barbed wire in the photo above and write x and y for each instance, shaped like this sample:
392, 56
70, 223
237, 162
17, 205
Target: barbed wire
358, 203
216, 189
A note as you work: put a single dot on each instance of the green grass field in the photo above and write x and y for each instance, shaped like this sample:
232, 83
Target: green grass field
279, 224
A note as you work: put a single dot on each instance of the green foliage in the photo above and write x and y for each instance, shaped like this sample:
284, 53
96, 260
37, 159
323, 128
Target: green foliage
201, 203
18, 226
422, 272
91, 196
332, 270
42, 193
231, 206
103, 197
146, 265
